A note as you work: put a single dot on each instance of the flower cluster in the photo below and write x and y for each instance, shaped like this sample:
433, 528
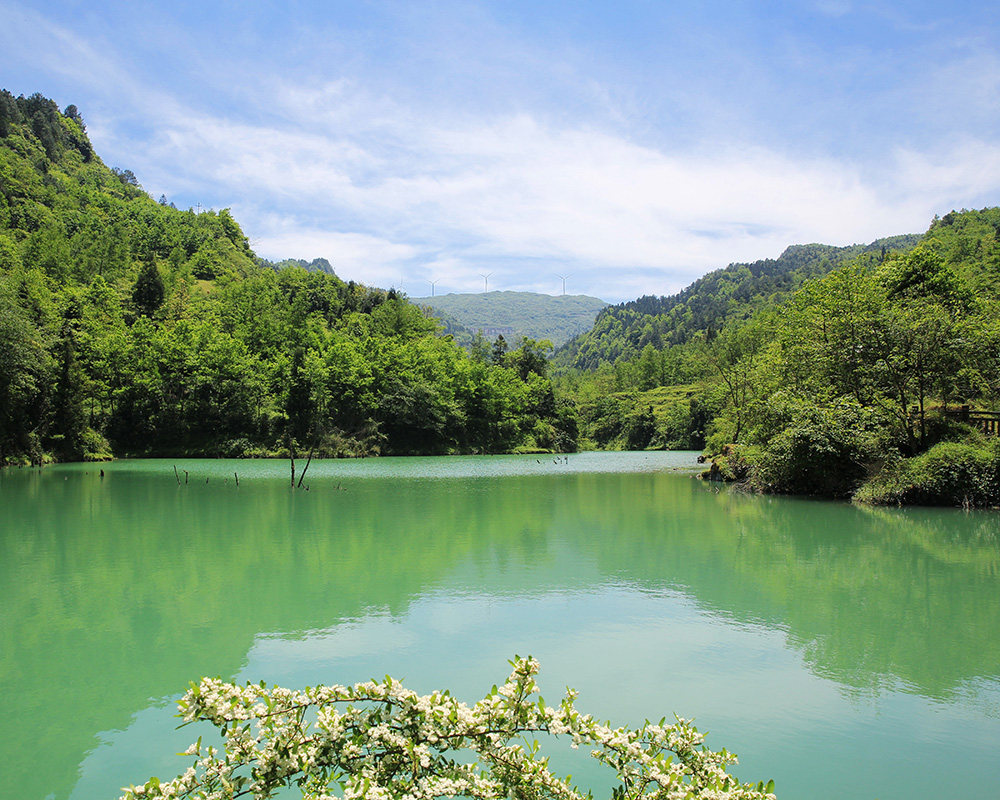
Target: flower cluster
381, 741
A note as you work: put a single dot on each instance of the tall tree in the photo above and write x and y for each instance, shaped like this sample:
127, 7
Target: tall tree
148, 291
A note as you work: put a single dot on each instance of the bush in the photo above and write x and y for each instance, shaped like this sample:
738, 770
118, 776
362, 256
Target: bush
949, 474
807, 449
732, 465
819, 453
95, 446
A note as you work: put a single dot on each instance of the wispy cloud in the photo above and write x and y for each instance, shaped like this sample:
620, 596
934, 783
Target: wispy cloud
513, 192
403, 159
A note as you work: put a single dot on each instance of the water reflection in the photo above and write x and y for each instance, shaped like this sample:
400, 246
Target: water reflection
791, 629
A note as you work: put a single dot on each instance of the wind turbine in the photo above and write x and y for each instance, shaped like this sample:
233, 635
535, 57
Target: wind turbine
486, 282
564, 277
432, 286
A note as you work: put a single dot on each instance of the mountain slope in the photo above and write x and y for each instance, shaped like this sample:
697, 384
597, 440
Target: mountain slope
516, 314
130, 327
622, 331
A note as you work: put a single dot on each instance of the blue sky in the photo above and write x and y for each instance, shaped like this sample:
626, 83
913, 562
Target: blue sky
632, 145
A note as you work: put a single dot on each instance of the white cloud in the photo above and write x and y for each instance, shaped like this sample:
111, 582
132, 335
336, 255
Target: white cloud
393, 189
834, 8
965, 173
354, 256
428, 199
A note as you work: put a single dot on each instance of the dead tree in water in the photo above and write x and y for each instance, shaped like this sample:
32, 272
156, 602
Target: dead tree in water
308, 462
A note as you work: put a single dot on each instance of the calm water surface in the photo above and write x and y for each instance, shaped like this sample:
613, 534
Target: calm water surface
846, 653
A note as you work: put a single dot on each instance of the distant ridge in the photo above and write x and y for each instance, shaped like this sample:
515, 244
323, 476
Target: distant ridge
515, 314
720, 296
316, 265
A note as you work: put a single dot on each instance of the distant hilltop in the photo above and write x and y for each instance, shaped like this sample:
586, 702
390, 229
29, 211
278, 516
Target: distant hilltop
515, 314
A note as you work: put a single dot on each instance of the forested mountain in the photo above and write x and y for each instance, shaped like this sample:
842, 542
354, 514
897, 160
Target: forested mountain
879, 379
537, 316
130, 327
724, 295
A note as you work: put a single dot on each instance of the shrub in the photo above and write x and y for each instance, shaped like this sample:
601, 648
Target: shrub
949, 474
815, 450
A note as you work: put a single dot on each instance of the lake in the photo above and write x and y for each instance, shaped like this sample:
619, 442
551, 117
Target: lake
842, 651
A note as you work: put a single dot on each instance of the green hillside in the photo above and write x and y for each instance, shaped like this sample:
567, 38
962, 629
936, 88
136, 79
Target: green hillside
722, 296
128, 326
877, 378
537, 316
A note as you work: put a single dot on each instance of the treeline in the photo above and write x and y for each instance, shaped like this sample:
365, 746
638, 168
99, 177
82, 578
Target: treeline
316, 265
847, 384
130, 327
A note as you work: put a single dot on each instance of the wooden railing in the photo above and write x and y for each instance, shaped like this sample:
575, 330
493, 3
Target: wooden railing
987, 421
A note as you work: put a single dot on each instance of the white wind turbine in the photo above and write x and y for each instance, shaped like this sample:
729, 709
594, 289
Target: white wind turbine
564, 277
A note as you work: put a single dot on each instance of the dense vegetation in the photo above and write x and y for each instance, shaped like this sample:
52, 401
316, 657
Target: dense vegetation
130, 327
853, 379
722, 296
537, 316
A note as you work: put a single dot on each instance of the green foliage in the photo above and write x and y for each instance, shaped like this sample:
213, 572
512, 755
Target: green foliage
149, 291
383, 741
969, 241
662, 418
820, 367
714, 301
860, 364
24, 370
962, 474
802, 448
131, 327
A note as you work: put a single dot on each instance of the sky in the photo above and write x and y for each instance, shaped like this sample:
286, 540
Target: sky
628, 147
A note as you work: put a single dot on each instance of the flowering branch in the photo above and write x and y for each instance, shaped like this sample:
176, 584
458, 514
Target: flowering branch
381, 741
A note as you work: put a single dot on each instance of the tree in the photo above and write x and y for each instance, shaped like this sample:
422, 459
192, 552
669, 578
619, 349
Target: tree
640, 429
24, 370
67, 400
126, 176
148, 291
73, 113
479, 350
737, 354
380, 740
648, 368
9, 257
530, 357
9, 112
299, 405
499, 351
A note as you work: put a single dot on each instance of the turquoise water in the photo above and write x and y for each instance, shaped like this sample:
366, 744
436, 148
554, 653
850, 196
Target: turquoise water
843, 652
